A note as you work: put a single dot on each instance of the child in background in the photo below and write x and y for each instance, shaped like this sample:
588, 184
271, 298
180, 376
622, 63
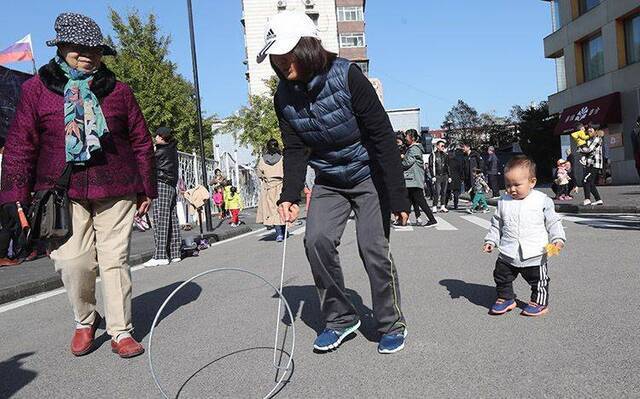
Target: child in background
234, 205
522, 227
581, 137
562, 180
480, 187
218, 201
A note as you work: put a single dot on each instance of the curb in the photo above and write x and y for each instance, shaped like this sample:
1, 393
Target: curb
577, 209
51, 283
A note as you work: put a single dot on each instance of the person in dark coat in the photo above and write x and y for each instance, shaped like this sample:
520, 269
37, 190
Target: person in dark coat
166, 233
456, 174
472, 160
493, 174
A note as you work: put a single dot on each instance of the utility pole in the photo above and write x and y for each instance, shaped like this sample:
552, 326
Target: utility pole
207, 204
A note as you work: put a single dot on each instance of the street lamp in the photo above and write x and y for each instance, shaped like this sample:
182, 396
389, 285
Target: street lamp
207, 204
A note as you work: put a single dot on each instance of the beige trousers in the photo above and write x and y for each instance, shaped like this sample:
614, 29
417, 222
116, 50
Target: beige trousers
101, 237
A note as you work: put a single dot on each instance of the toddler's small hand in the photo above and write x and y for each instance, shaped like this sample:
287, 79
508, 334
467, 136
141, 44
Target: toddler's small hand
488, 248
559, 244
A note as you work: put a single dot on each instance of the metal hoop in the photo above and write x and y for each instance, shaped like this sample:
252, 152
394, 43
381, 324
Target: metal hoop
280, 296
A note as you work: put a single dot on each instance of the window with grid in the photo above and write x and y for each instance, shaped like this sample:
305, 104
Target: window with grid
586, 5
350, 14
364, 66
632, 39
593, 58
352, 40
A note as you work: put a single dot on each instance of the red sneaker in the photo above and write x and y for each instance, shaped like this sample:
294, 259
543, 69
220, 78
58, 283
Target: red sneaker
9, 262
82, 341
127, 347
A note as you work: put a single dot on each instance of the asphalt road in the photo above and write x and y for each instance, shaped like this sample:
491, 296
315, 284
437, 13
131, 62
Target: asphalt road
214, 338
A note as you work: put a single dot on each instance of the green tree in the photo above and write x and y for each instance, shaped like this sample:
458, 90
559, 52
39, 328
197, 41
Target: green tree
536, 136
463, 125
256, 123
497, 131
165, 97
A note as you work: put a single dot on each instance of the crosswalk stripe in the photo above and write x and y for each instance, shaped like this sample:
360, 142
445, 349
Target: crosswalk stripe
403, 228
485, 224
443, 225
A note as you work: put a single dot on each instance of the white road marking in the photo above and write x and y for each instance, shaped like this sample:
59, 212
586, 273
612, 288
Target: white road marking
485, 224
45, 295
443, 225
403, 228
299, 231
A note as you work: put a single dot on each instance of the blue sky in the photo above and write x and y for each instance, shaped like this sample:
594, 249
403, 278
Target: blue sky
428, 53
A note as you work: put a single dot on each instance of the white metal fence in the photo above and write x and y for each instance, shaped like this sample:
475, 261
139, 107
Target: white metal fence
241, 176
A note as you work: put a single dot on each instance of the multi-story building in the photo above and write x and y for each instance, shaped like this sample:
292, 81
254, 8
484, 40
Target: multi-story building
596, 46
340, 23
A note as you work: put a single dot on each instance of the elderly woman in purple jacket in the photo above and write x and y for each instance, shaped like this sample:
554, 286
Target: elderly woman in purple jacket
75, 111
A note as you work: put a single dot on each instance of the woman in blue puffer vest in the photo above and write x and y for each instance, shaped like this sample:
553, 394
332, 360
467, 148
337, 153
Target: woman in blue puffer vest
326, 104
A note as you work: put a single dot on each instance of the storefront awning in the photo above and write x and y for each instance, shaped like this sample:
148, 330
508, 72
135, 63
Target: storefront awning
597, 112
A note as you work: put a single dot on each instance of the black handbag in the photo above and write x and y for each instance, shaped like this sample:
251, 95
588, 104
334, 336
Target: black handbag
49, 215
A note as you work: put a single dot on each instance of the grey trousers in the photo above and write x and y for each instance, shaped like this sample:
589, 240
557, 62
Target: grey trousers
442, 182
326, 221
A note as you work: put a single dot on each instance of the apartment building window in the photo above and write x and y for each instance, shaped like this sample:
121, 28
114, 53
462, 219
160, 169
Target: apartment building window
556, 19
352, 40
593, 58
364, 66
632, 39
586, 5
350, 14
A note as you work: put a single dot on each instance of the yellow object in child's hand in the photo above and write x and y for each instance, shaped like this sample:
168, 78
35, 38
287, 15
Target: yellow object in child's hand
552, 250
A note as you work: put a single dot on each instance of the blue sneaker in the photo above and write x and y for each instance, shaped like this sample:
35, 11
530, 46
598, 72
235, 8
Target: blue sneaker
502, 306
533, 309
331, 339
279, 238
392, 343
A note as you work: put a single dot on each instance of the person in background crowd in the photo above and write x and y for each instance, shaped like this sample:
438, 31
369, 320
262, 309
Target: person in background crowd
234, 205
635, 140
493, 172
218, 179
218, 201
562, 180
480, 188
309, 181
573, 187
74, 112
593, 164
414, 174
326, 104
455, 174
166, 232
270, 172
472, 160
439, 168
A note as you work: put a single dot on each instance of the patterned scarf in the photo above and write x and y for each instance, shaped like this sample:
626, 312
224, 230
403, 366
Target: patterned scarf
84, 122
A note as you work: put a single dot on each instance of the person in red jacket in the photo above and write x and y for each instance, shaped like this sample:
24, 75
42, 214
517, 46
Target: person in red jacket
76, 112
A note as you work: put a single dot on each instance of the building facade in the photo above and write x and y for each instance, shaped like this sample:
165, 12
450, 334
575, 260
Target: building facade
596, 46
340, 23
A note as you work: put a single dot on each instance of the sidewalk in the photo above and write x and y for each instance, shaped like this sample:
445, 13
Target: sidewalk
39, 276
617, 199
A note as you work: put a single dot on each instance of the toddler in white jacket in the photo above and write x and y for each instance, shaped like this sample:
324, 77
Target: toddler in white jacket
524, 224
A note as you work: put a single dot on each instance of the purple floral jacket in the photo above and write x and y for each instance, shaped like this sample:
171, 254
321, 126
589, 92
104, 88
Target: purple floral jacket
34, 154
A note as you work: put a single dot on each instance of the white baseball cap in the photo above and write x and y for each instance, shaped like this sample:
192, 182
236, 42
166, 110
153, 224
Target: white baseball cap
283, 32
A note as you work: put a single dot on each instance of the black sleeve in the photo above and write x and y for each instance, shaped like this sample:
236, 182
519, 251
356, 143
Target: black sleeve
294, 160
376, 130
